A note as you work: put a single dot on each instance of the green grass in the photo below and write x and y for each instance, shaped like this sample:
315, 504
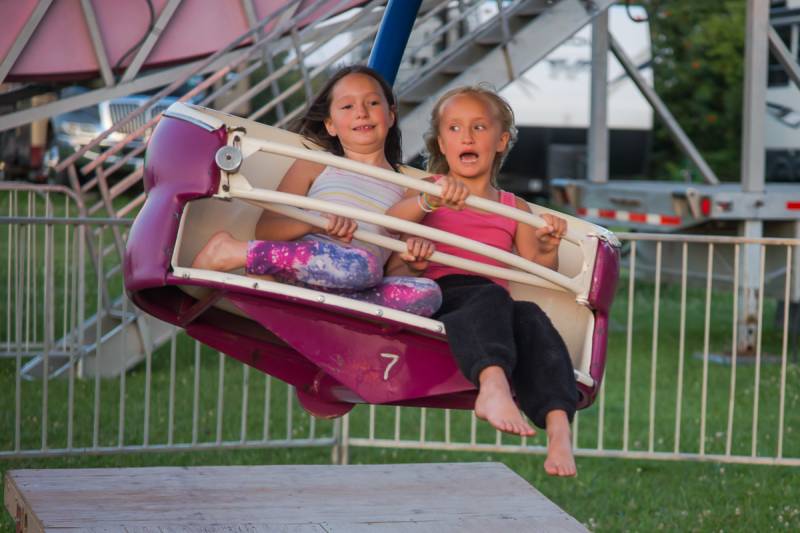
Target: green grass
610, 494
607, 495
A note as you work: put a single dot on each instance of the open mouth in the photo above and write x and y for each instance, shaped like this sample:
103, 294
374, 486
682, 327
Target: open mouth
468, 157
364, 127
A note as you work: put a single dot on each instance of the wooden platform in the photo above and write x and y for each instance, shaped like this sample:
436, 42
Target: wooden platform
436, 498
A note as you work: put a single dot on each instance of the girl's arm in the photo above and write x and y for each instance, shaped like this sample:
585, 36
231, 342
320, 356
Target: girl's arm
414, 205
409, 207
540, 245
298, 180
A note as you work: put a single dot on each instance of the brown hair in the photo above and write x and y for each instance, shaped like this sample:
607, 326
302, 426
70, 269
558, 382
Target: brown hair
436, 161
312, 124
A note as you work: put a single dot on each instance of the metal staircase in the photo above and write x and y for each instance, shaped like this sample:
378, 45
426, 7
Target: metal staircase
497, 51
454, 42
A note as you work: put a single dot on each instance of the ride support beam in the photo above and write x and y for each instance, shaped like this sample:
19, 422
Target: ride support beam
678, 134
24, 36
597, 160
753, 157
390, 43
97, 43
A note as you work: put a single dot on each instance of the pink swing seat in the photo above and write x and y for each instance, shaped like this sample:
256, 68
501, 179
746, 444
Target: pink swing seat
207, 171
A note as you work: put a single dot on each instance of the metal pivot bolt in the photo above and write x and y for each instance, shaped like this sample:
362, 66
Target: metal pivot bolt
229, 159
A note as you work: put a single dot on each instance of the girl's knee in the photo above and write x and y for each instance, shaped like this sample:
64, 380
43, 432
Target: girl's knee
420, 296
428, 299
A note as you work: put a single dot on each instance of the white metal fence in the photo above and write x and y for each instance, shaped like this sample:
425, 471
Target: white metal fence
677, 384
65, 318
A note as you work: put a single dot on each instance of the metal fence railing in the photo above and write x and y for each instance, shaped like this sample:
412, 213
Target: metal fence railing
60, 395
677, 386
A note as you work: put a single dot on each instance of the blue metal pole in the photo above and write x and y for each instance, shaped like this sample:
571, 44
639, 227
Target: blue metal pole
390, 43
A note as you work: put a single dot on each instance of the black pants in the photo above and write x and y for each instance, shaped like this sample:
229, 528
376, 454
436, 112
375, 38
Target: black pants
486, 327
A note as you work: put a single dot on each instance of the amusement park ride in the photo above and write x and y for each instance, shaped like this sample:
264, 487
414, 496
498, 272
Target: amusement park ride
359, 353
203, 170
207, 171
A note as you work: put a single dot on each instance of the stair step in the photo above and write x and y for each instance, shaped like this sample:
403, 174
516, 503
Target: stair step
116, 355
533, 8
469, 52
490, 41
463, 60
56, 365
422, 90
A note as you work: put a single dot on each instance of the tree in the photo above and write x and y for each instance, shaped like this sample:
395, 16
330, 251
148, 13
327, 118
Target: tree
698, 52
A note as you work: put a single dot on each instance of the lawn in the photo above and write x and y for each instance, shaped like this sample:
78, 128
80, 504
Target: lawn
237, 407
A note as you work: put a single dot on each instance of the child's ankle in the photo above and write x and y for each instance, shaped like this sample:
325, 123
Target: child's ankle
557, 422
492, 374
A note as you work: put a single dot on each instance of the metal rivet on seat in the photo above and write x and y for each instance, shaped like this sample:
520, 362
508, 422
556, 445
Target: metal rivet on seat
229, 159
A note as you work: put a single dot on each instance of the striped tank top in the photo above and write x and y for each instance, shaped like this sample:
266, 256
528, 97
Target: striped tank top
356, 190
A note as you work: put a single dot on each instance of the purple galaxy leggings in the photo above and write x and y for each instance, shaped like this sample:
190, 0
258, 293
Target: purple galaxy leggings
351, 272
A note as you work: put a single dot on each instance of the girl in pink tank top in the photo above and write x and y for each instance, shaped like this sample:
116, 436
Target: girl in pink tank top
508, 349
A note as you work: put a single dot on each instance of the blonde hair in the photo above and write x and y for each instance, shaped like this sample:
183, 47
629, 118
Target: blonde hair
436, 160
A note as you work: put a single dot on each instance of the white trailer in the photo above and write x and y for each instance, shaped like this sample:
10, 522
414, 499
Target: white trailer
551, 103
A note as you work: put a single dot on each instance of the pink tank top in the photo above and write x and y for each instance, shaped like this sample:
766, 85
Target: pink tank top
488, 228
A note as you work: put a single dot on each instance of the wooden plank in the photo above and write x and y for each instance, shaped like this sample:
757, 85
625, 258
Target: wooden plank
15, 503
418, 498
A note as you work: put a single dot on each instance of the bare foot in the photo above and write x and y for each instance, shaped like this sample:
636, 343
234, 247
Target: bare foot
560, 461
496, 406
222, 253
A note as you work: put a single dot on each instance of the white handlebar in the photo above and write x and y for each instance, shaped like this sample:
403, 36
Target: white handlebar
325, 158
268, 198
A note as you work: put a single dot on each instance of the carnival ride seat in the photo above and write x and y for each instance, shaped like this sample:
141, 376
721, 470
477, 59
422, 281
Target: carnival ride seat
208, 171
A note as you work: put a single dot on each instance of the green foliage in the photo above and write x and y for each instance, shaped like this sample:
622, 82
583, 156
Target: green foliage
698, 50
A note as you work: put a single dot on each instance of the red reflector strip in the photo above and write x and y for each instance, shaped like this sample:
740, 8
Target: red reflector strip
792, 205
626, 216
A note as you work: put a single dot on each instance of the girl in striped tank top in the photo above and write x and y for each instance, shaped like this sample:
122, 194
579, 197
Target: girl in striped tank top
507, 348
352, 116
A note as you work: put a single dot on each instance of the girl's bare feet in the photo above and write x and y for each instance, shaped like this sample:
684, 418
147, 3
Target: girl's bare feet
560, 461
496, 406
222, 253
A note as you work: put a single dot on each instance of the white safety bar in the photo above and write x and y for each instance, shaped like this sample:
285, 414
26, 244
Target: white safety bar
238, 187
271, 200
324, 158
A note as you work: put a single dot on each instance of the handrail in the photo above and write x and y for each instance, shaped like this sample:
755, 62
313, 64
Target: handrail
177, 83
441, 30
319, 69
20, 186
281, 26
287, 66
325, 158
456, 46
